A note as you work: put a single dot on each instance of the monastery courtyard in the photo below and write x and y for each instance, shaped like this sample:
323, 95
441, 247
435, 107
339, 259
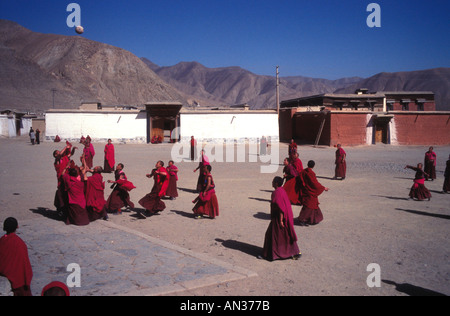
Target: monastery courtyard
368, 218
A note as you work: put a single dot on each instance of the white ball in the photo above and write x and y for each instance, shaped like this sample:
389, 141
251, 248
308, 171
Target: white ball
79, 29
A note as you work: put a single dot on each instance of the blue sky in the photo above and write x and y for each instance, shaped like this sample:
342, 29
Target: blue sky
322, 38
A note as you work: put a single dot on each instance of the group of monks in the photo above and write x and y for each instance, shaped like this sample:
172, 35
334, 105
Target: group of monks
427, 172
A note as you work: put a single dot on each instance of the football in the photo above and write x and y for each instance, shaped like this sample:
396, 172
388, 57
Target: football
79, 29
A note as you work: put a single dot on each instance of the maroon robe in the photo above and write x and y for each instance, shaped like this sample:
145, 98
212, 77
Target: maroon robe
446, 187
15, 264
430, 165
418, 190
280, 242
95, 197
341, 164
152, 202
110, 160
311, 189
291, 187
120, 197
172, 188
89, 154
76, 211
207, 202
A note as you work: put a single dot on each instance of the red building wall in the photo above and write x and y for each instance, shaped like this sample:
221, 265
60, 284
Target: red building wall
348, 129
422, 129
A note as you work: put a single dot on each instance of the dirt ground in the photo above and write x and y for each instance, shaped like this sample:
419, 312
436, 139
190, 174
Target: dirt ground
368, 217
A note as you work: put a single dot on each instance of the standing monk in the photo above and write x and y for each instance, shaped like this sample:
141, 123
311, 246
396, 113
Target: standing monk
311, 189
172, 171
430, 164
89, 153
281, 240
201, 177
14, 261
446, 187
62, 159
341, 163
292, 149
76, 211
193, 148
95, 195
291, 187
110, 160
206, 203
152, 202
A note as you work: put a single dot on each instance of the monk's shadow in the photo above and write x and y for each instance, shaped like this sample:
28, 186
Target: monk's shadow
412, 290
188, 190
184, 214
262, 215
260, 199
249, 249
51, 214
393, 197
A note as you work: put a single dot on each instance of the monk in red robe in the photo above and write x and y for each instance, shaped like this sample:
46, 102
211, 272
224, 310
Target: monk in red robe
292, 149
280, 240
76, 212
206, 203
14, 261
311, 189
430, 164
290, 175
172, 171
341, 163
95, 195
418, 190
89, 153
152, 202
120, 196
62, 160
110, 160
446, 186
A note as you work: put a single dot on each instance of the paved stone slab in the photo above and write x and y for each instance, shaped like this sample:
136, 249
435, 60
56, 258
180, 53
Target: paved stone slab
115, 260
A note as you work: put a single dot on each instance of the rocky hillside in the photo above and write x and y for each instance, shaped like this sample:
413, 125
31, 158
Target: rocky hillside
33, 64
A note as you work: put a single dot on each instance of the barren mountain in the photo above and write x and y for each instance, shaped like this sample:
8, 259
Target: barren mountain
33, 64
435, 80
234, 85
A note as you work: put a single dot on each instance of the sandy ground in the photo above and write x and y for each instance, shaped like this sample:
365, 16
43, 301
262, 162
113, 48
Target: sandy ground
368, 218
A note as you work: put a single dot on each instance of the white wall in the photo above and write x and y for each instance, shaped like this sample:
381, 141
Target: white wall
127, 125
218, 126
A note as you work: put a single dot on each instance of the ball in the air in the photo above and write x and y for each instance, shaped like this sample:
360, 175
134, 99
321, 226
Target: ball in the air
79, 29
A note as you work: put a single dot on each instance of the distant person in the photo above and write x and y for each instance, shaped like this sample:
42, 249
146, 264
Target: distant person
292, 149
280, 240
341, 163
152, 202
172, 171
110, 160
311, 213
32, 135
38, 136
418, 190
430, 164
263, 146
193, 149
207, 203
14, 261
89, 152
295, 160
446, 187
